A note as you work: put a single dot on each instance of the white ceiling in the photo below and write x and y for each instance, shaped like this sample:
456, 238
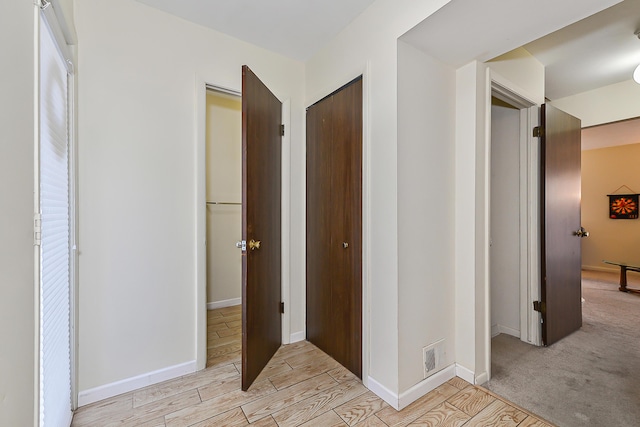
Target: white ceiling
598, 51
294, 28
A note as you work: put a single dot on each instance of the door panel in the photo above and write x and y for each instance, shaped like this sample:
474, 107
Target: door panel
560, 195
319, 164
261, 216
334, 225
346, 186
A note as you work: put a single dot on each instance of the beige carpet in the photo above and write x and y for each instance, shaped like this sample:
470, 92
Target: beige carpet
590, 378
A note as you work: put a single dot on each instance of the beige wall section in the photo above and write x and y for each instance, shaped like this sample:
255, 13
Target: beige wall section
18, 331
224, 184
426, 114
138, 174
603, 171
524, 73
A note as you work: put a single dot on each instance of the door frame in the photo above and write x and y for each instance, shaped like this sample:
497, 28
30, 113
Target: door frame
206, 82
365, 72
530, 328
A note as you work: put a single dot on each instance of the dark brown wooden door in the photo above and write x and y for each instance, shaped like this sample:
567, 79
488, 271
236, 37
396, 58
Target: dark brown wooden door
561, 255
261, 227
334, 225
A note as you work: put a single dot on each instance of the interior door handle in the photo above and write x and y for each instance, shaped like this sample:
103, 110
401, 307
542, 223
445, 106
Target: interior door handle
581, 233
254, 244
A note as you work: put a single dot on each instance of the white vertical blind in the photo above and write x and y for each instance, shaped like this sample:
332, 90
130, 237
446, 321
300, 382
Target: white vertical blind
55, 337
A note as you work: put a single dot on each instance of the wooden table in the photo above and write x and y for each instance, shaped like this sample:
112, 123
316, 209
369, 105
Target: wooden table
624, 267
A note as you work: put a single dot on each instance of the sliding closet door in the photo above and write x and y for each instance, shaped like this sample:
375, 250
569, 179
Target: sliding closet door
334, 225
346, 247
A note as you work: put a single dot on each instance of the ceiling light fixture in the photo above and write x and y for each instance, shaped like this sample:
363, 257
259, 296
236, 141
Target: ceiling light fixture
636, 73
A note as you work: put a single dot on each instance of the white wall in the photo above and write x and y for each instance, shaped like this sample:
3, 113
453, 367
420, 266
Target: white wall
369, 44
603, 105
426, 140
224, 184
137, 76
18, 330
505, 220
470, 94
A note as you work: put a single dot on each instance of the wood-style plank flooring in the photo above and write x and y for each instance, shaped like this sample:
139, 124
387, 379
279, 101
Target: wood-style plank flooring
301, 386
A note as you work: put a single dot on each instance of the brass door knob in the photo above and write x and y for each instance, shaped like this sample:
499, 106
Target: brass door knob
254, 244
345, 245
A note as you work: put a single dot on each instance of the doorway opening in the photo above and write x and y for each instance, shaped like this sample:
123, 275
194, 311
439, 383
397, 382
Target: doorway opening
514, 243
278, 180
223, 152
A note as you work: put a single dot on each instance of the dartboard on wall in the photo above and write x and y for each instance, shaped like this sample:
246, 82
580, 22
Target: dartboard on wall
623, 206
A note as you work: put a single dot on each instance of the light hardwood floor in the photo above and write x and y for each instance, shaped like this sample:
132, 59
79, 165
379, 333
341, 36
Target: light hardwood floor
301, 386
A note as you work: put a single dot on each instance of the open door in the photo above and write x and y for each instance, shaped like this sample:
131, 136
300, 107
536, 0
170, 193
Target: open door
561, 306
261, 228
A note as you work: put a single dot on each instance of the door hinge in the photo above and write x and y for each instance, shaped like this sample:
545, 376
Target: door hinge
540, 306
282, 307
281, 130
538, 132
37, 229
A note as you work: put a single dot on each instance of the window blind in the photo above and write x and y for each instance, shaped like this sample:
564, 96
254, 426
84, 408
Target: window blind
55, 337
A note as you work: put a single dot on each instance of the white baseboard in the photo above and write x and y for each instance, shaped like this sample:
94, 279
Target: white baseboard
406, 398
383, 393
297, 336
425, 386
482, 378
509, 331
224, 303
129, 384
465, 374
494, 331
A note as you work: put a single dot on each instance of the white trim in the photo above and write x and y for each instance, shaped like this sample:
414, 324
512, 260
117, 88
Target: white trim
533, 229
482, 378
486, 226
465, 374
383, 393
297, 336
425, 386
129, 384
36, 206
501, 329
524, 225
201, 224
398, 402
224, 303
285, 221
366, 221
